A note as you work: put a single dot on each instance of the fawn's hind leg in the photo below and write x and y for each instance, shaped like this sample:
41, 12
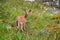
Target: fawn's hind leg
17, 27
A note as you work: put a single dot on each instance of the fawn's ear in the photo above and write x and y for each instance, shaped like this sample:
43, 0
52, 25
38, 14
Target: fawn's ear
24, 9
29, 10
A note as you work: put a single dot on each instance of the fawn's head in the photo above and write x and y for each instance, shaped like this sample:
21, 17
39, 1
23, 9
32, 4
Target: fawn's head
27, 12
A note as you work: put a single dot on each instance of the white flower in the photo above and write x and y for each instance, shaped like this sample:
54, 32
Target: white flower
9, 27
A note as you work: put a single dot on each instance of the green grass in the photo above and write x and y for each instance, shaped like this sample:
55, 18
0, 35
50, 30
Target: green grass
36, 24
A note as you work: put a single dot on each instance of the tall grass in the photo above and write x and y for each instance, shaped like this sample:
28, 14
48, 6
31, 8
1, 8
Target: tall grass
36, 24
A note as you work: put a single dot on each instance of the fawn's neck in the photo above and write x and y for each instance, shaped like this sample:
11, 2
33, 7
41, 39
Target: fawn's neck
26, 15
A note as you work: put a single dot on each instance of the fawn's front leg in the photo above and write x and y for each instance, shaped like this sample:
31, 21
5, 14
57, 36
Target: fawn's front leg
22, 26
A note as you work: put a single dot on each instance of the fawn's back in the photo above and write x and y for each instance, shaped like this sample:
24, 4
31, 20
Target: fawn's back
21, 19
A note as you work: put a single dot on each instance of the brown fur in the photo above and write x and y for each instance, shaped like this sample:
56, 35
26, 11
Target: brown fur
21, 20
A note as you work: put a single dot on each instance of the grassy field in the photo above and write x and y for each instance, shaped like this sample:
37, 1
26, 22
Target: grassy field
40, 25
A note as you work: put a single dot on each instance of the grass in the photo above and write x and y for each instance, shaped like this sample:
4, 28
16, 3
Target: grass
38, 21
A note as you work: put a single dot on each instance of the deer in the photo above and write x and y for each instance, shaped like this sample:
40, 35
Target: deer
21, 20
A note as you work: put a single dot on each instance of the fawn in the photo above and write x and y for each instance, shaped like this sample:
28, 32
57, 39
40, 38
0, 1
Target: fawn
21, 20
